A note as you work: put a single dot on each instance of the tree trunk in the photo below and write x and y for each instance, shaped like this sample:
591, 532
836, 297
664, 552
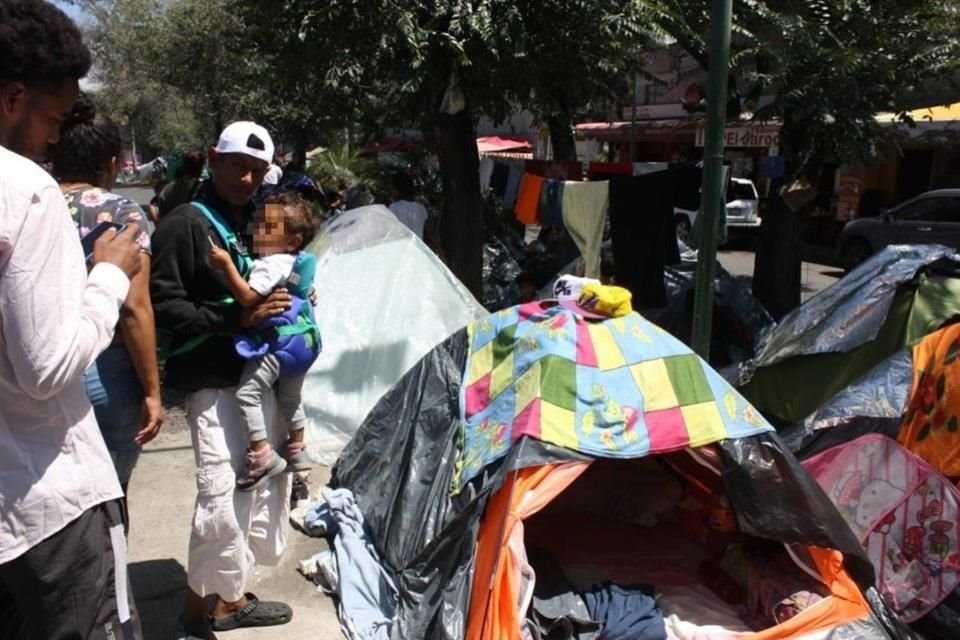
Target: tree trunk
776, 268
300, 151
461, 227
561, 137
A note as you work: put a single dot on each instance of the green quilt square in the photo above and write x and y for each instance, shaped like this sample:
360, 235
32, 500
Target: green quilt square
689, 382
558, 382
504, 344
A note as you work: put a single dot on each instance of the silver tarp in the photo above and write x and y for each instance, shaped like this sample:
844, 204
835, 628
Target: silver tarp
883, 392
847, 314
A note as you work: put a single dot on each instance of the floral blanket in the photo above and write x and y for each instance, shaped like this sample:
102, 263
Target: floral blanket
620, 387
905, 514
931, 427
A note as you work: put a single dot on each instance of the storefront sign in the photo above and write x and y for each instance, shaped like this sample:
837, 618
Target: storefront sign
764, 137
849, 190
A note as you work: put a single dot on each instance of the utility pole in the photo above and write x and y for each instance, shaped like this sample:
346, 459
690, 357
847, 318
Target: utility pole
633, 109
712, 190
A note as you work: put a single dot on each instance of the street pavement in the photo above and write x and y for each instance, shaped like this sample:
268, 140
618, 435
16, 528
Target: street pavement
161, 496
814, 277
140, 195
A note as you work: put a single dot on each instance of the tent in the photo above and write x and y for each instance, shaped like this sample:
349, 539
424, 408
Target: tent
541, 432
385, 300
888, 303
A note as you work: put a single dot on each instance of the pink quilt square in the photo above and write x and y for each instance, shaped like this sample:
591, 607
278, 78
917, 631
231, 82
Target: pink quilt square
477, 396
527, 422
667, 430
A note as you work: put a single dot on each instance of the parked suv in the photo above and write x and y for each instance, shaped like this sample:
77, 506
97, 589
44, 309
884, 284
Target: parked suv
930, 218
742, 209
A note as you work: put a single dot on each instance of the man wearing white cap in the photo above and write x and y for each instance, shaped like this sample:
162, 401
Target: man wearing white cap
231, 531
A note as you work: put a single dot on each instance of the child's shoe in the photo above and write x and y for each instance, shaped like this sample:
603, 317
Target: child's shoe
296, 456
259, 467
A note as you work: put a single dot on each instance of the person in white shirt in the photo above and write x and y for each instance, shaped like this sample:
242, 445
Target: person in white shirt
62, 547
408, 211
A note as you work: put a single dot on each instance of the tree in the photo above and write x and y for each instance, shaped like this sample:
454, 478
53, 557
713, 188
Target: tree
439, 66
830, 66
175, 72
578, 53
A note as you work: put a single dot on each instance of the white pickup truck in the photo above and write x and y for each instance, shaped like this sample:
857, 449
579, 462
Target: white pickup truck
742, 209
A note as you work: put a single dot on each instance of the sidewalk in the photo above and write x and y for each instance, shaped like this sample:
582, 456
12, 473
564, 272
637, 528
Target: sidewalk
161, 496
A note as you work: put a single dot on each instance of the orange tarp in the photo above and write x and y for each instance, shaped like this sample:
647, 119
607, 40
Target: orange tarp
494, 596
495, 600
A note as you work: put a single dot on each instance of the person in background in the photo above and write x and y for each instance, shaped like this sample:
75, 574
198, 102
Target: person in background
408, 211
231, 531
123, 384
274, 173
184, 185
153, 209
62, 548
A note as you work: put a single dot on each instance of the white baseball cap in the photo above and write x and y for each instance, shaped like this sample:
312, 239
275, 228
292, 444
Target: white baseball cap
247, 138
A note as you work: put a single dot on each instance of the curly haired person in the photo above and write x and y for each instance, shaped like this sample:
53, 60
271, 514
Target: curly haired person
62, 545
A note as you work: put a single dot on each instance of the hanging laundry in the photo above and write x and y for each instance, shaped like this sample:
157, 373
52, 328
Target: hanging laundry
513, 185
527, 208
498, 178
486, 172
551, 198
584, 211
644, 234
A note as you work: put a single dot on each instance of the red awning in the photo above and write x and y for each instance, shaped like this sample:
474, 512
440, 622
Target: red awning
489, 144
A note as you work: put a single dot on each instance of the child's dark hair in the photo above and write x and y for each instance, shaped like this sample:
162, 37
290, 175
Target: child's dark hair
297, 215
88, 141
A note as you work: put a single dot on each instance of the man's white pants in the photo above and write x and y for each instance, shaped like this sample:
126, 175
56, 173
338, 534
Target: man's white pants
232, 530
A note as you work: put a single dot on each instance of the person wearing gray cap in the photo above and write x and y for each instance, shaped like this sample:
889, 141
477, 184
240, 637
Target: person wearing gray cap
232, 531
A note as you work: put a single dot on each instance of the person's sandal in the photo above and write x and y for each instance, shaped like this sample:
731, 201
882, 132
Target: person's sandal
255, 613
259, 466
296, 456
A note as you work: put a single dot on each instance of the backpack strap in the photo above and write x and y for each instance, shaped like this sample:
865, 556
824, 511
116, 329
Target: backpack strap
241, 259
238, 253
300, 280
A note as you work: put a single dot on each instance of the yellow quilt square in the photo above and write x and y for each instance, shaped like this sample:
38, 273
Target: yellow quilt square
502, 377
608, 351
704, 423
655, 385
481, 362
527, 388
558, 426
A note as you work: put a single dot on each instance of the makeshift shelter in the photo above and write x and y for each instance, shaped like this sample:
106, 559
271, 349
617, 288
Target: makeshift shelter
541, 441
385, 300
888, 303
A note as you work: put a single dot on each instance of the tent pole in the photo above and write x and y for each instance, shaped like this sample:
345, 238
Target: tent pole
712, 190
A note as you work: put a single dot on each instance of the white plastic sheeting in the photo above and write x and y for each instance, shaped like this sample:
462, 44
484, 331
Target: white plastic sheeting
384, 301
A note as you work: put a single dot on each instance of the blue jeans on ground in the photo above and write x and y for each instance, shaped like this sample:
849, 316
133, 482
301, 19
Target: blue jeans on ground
117, 396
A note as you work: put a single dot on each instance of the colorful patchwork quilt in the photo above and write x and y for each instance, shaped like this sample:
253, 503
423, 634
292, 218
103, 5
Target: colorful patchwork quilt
619, 388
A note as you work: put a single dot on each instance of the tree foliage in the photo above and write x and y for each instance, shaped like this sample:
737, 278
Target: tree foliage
829, 67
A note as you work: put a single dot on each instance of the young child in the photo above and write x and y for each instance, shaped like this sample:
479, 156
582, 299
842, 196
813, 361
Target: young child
285, 227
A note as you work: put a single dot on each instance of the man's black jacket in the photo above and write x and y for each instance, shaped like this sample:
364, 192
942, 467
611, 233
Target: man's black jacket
187, 294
